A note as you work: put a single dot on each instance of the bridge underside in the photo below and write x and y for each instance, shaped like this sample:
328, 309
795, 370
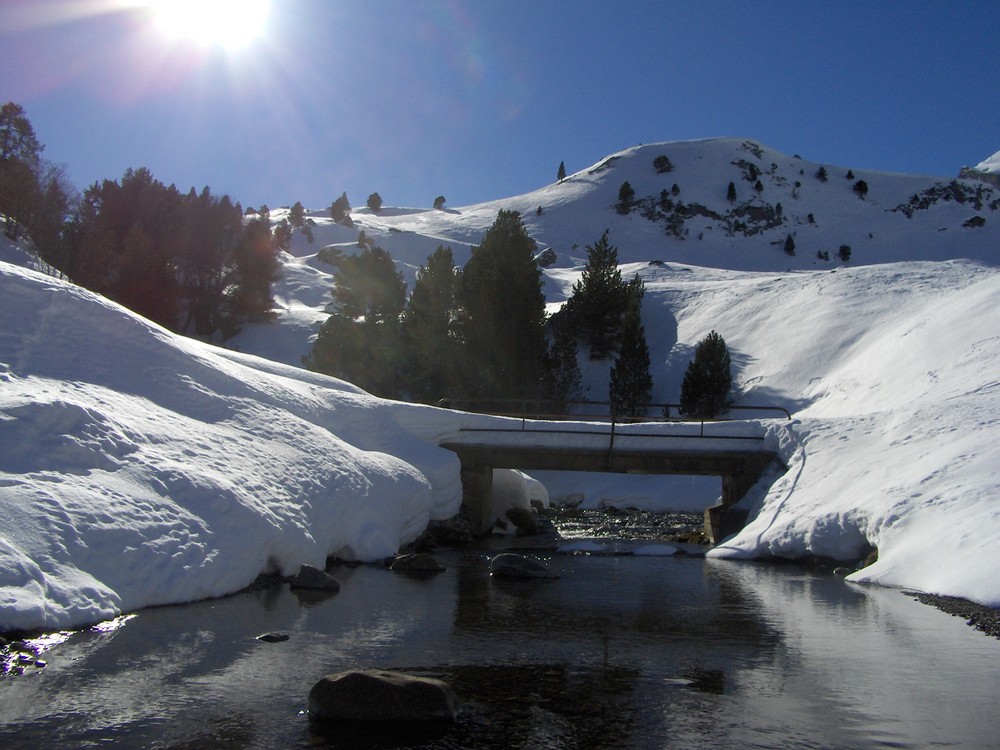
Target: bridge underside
739, 471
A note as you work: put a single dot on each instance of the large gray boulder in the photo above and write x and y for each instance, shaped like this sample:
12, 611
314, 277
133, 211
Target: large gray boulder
314, 579
382, 696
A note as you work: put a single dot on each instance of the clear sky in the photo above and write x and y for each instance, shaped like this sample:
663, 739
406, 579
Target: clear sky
481, 100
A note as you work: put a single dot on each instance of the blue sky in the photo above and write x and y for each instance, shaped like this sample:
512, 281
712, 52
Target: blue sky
482, 100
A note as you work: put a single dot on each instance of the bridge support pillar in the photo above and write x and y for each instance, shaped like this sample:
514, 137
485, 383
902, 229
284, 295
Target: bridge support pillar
721, 520
477, 496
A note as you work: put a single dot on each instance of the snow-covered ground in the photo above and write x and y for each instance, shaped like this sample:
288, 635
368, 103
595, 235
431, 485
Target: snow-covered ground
138, 467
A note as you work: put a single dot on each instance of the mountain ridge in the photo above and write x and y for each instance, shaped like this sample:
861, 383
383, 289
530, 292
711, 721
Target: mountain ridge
900, 216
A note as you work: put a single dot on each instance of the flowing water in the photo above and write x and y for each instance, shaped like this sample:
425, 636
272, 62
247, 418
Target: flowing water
621, 651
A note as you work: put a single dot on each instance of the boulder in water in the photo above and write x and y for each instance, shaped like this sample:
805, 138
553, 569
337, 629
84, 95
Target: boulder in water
382, 696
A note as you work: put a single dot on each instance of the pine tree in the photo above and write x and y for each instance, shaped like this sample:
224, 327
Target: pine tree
428, 331
599, 300
789, 245
361, 341
626, 196
631, 387
731, 193
708, 379
297, 215
340, 208
662, 164
502, 313
368, 286
561, 174
374, 202
565, 382
19, 168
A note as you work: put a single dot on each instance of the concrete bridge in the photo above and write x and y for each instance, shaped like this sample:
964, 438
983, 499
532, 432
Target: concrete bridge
733, 451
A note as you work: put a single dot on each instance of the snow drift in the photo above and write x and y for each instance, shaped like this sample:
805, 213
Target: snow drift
142, 468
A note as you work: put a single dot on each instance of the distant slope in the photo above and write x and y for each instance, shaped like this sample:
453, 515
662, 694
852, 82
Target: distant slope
901, 217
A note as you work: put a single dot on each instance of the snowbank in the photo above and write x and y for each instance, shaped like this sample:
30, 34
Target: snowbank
141, 468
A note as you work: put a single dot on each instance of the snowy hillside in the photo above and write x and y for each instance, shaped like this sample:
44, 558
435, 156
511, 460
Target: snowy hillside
900, 218
141, 468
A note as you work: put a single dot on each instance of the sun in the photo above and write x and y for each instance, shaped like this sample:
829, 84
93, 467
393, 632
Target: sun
229, 24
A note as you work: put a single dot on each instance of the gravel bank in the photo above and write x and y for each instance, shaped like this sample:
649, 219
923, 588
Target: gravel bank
981, 618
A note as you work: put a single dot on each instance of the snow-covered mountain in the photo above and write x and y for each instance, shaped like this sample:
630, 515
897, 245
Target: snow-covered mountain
200, 467
899, 218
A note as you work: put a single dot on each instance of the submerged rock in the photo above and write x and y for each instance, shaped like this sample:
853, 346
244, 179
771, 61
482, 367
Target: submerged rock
382, 696
272, 637
309, 577
419, 563
511, 565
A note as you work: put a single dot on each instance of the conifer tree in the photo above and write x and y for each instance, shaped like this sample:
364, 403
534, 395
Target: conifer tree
340, 208
708, 379
368, 286
565, 381
428, 331
561, 174
361, 341
297, 215
790, 245
502, 313
631, 387
626, 196
731, 193
594, 311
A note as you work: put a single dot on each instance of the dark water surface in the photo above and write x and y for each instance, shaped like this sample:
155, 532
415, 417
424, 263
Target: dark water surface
619, 652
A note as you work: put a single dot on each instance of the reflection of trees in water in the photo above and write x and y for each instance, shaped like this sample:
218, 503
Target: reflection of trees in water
645, 647
666, 599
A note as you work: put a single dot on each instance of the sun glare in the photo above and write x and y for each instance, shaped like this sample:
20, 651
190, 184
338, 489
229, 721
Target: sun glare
229, 24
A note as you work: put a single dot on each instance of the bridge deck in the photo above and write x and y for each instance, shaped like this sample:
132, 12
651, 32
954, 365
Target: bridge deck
662, 459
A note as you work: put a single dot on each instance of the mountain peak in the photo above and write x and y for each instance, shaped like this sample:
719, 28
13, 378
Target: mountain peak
990, 165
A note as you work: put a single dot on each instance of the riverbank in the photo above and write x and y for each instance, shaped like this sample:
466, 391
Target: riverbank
983, 619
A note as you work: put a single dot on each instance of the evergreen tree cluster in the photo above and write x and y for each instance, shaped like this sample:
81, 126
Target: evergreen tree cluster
478, 335
605, 313
189, 262
475, 333
35, 199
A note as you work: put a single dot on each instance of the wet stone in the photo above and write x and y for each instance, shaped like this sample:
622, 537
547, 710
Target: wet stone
382, 696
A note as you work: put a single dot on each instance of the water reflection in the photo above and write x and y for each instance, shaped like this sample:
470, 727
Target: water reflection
623, 652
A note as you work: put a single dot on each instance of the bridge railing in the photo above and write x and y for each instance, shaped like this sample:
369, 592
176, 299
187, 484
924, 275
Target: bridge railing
529, 410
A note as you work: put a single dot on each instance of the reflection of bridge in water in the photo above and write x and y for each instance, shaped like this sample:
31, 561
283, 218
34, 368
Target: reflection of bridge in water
735, 451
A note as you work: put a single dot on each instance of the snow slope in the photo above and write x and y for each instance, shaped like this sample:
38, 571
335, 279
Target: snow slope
141, 468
